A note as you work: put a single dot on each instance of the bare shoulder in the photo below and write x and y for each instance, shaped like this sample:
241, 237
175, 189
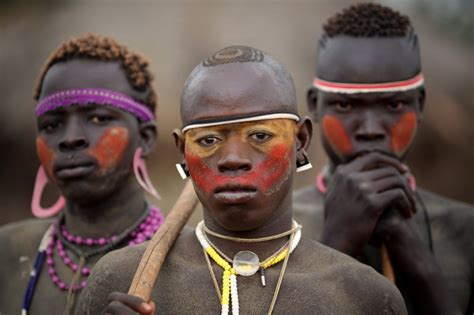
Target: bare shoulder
308, 210
114, 273
358, 288
23, 237
450, 218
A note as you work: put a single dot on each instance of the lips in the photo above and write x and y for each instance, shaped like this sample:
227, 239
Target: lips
73, 169
235, 194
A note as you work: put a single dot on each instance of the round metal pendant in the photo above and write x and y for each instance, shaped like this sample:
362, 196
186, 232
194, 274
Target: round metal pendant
246, 263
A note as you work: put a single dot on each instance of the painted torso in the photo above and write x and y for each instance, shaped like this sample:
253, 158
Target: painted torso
184, 285
450, 221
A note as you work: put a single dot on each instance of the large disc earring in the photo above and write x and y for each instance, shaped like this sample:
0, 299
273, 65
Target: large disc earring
182, 171
141, 173
304, 165
36, 209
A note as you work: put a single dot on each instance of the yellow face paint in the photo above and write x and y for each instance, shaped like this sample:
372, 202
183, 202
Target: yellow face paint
273, 139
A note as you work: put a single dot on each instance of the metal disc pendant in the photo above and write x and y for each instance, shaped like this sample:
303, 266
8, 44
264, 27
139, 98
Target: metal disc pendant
246, 263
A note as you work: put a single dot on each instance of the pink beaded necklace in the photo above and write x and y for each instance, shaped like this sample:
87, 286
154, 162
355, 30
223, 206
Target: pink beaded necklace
60, 238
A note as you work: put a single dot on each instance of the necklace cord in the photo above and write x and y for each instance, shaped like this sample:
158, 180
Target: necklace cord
213, 276
70, 293
200, 228
102, 249
280, 278
251, 240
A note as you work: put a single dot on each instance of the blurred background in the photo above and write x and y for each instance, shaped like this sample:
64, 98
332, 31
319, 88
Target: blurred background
177, 35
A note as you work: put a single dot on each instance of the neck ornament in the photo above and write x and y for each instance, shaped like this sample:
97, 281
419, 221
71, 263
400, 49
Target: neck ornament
58, 239
245, 263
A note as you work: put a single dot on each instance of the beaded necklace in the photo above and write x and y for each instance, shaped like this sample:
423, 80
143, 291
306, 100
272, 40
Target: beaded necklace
58, 238
241, 267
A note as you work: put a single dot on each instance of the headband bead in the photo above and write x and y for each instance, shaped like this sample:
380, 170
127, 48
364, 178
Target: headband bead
88, 96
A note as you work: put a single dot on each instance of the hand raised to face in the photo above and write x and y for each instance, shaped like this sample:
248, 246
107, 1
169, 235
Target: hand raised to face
357, 195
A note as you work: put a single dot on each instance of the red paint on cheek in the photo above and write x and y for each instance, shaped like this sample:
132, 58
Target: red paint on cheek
268, 176
336, 135
110, 148
45, 155
402, 133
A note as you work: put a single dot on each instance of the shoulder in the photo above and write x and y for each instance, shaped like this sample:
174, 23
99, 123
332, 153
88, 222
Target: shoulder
23, 235
356, 286
112, 273
115, 271
454, 218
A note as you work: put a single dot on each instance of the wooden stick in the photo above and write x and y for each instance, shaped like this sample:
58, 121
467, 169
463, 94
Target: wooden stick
159, 246
387, 267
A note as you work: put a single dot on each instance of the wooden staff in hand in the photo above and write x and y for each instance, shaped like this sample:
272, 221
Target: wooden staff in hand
159, 246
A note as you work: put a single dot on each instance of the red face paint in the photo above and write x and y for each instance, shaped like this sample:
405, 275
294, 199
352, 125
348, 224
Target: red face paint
402, 133
110, 148
336, 135
45, 155
267, 176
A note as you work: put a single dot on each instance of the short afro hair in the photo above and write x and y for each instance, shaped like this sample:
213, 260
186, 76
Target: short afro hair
368, 20
97, 47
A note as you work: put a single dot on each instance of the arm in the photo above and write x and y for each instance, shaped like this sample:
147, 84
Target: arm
415, 267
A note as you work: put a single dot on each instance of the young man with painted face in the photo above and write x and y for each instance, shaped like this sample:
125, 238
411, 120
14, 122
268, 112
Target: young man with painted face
241, 141
95, 118
368, 99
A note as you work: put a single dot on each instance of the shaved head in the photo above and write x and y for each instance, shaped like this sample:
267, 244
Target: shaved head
237, 81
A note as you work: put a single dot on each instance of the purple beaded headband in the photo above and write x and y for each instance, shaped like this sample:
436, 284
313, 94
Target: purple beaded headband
94, 96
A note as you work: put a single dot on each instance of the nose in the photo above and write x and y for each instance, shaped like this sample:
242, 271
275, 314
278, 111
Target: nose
74, 137
234, 157
370, 129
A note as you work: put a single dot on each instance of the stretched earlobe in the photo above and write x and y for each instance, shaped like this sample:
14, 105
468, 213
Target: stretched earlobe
304, 164
36, 209
182, 170
141, 173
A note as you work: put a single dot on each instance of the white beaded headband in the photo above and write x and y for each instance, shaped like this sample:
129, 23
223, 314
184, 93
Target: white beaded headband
352, 88
241, 120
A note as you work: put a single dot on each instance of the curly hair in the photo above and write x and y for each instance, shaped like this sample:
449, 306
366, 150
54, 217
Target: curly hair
368, 20
94, 46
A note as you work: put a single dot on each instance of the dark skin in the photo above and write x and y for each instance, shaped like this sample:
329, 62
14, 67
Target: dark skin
184, 284
101, 192
360, 133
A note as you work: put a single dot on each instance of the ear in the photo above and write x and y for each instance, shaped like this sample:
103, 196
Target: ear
179, 142
148, 135
304, 134
312, 102
421, 103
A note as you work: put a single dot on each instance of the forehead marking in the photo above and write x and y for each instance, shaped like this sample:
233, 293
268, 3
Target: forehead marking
241, 120
353, 88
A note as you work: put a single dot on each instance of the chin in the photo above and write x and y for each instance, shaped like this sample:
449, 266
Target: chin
87, 191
